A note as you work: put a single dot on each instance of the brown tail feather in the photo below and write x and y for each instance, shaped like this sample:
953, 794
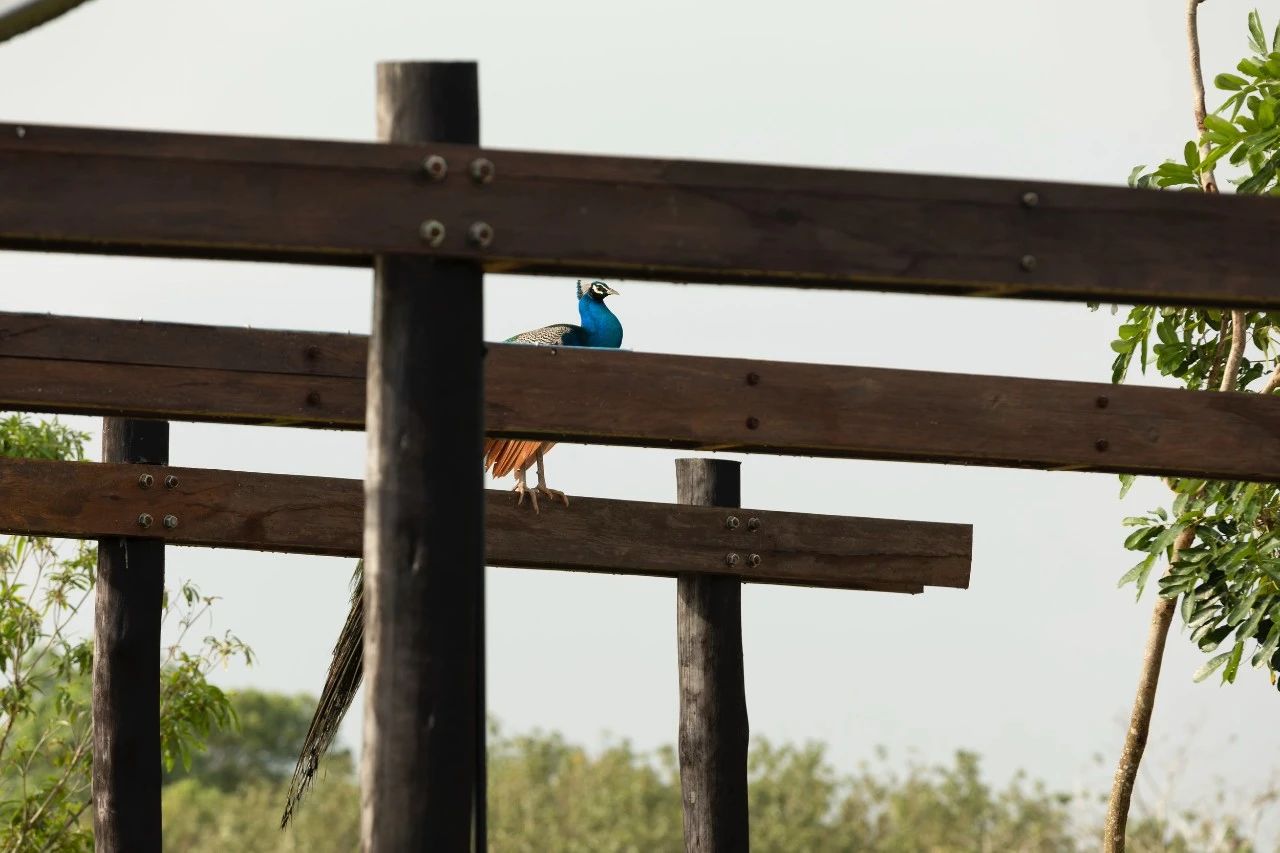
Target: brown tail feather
340, 686
504, 455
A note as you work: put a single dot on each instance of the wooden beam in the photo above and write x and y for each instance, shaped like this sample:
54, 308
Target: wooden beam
58, 364
320, 515
424, 510
128, 605
714, 730
75, 189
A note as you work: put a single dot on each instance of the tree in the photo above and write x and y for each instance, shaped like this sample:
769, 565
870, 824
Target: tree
1221, 539
45, 672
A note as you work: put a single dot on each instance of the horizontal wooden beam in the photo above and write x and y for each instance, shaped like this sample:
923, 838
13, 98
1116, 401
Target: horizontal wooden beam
73, 189
183, 372
318, 515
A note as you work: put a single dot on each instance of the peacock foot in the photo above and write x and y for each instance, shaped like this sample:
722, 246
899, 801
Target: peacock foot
522, 490
551, 494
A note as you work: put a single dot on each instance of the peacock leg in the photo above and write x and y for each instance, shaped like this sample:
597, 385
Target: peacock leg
542, 488
522, 489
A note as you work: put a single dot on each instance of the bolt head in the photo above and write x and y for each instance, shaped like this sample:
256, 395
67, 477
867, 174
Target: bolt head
1030, 199
435, 167
482, 170
145, 520
753, 560
146, 481
1028, 262
1103, 402
432, 232
731, 560
170, 522
732, 522
1102, 444
753, 524
171, 482
480, 234
753, 378
753, 422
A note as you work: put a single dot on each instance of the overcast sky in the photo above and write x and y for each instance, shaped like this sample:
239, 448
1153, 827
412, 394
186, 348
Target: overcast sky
1034, 666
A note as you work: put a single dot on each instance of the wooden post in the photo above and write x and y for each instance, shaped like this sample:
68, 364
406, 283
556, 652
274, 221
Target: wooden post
126, 664
424, 538
713, 702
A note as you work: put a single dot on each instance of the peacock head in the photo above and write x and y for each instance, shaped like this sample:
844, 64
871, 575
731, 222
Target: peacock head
597, 290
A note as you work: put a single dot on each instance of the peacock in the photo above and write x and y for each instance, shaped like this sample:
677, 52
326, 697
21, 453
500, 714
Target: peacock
599, 327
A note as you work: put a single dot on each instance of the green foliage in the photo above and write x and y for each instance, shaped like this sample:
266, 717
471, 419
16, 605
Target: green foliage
46, 670
1243, 131
546, 793
1228, 581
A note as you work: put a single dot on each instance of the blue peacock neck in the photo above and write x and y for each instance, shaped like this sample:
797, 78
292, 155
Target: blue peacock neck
600, 326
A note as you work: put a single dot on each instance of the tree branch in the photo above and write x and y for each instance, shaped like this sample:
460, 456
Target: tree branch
27, 16
1207, 180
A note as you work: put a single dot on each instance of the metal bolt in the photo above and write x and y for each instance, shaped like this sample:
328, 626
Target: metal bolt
1028, 262
753, 422
432, 232
435, 167
21, 132
732, 522
170, 522
312, 353
145, 520
482, 170
313, 398
480, 233
1102, 444
146, 481
753, 524
1103, 402
1030, 199
171, 482
753, 378
753, 560
731, 560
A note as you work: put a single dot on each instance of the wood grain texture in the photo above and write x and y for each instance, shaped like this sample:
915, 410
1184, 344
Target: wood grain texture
575, 395
320, 515
424, 511
128, 601
714, 730
75, 189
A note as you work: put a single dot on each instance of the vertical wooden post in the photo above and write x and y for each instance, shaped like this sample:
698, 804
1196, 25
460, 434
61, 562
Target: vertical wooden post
713, 703
126, 664
424, 538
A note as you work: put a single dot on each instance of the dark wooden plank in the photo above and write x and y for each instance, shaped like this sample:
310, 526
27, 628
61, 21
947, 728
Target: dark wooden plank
320, 515
74, 189
126, 658
424, 518
714, 730
654, 400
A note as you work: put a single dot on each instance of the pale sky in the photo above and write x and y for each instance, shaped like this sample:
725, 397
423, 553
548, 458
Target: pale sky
1034, 667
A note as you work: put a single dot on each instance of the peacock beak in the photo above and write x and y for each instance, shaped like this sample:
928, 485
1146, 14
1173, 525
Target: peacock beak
609, 291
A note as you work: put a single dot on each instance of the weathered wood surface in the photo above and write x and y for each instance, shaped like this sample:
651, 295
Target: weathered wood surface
424, 731
714, 730
590, 396
77, 189
126, 651
319, 515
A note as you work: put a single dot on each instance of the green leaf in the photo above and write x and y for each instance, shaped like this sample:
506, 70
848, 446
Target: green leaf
1233, 665
1191, 154
1229, 82
1243, 607
1210, 667
1134, 174
1138, 574
1267, 113
1126, 483
1257, 40
1217, 124
1275, 40
1267, 649
1248, 66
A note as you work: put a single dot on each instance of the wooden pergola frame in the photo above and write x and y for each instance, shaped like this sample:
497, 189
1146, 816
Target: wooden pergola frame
429, 211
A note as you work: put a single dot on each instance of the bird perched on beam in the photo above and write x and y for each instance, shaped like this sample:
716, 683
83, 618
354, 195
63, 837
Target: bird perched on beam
502, 456
600, 328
